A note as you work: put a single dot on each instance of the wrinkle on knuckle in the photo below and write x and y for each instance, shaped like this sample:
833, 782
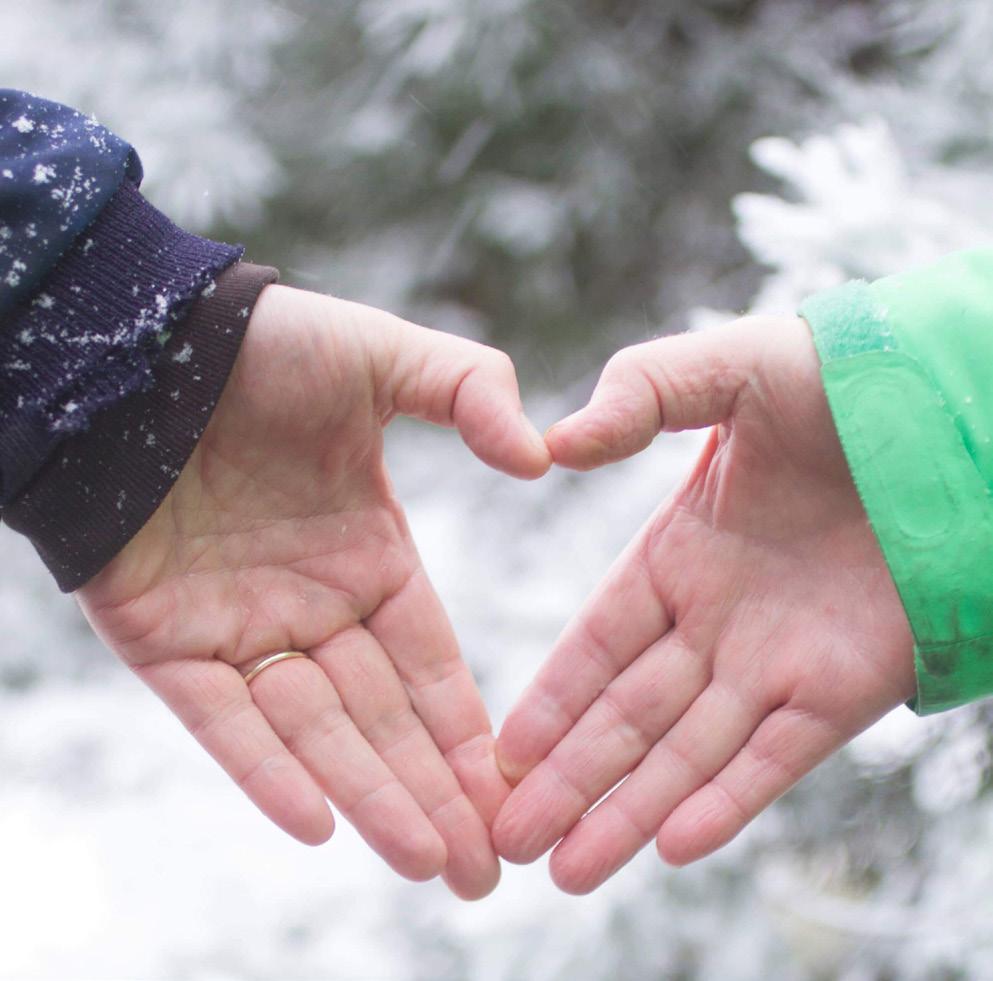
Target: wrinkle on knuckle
626, 724
741, 814
700, 658
264, 764
631, 816
566, 782
775, 749
434, 673
391, 728
324, 726
771, 764
220, 717
597, 652
475, 749
369, 797
453, 801
815, 721
683, 758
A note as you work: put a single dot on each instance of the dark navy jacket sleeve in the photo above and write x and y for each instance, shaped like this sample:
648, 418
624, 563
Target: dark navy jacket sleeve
58, 170
96, 288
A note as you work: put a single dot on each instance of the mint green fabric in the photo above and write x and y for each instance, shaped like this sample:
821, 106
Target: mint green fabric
907, 364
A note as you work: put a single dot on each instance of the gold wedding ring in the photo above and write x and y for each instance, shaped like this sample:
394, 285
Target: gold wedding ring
270, 660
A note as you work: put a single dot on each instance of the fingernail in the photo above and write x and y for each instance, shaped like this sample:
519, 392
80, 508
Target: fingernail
566, 422
512, 771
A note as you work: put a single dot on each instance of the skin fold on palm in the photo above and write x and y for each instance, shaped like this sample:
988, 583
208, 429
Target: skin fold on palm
283, 532
746, 633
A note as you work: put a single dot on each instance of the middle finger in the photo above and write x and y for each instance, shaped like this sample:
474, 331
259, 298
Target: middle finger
377, 701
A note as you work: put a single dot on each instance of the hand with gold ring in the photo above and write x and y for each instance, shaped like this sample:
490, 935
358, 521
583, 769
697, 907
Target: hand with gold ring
283, 537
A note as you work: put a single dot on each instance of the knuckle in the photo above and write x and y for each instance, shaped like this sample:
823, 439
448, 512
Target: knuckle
623, 362
324, 727
638, 372
500, 364
733, 803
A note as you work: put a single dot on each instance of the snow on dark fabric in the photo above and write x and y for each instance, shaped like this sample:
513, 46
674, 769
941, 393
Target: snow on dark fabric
100, 486
58, 169
92, 333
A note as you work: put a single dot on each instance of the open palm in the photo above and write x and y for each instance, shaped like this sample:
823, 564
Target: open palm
282, 533
747, 632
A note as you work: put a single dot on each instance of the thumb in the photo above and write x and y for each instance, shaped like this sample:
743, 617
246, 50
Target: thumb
451, 381
684, 382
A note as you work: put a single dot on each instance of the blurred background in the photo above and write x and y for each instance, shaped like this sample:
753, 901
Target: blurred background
559, 179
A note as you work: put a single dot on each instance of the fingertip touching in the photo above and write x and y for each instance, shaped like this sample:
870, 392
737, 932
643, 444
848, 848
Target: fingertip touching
486, 408
452, 381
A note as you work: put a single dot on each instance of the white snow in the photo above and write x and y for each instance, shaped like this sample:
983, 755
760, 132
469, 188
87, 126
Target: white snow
43, 173
184, 354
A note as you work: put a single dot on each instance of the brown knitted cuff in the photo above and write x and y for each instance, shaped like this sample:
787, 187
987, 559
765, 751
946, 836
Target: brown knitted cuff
101, 486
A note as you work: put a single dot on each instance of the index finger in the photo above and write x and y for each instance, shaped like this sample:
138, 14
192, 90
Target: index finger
621, 619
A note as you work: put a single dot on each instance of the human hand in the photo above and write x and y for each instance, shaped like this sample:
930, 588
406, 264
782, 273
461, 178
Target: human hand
746, 633
283, 533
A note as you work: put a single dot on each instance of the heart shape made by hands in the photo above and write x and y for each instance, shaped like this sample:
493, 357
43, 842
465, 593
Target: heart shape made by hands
712, 667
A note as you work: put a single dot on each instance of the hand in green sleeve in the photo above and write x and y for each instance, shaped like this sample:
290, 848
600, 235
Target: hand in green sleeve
751, 629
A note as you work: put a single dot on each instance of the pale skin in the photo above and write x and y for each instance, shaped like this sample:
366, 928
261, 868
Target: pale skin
747, 632
283, 532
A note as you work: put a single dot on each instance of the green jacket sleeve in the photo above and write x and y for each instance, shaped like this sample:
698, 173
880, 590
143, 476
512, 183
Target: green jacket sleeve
907, 365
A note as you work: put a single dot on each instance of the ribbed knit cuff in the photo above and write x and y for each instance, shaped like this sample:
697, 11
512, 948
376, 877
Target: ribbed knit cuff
92, 333
101, 485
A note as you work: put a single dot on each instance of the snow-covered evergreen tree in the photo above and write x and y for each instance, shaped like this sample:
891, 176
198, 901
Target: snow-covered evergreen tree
557, 177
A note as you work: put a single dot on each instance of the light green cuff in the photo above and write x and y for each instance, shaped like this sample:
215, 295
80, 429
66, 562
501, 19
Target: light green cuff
907, 364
